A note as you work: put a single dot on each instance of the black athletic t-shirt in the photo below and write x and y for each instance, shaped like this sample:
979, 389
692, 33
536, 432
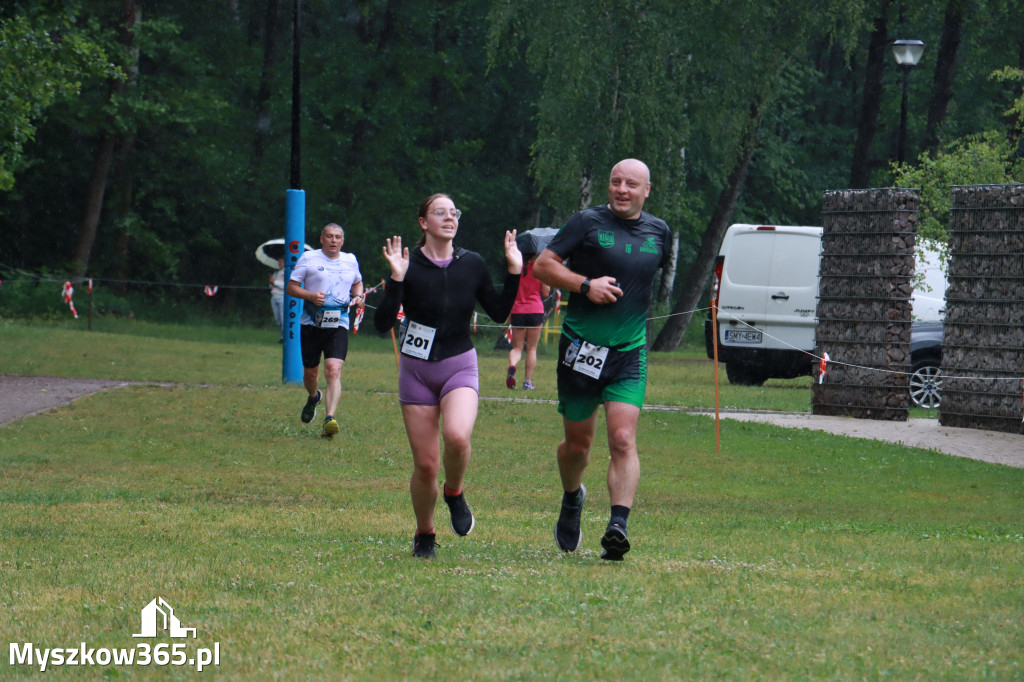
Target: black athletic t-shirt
597, 243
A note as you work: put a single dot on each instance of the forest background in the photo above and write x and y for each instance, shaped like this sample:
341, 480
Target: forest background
149, 146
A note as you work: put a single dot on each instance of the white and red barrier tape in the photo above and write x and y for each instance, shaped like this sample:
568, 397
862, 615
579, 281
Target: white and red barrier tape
66, 294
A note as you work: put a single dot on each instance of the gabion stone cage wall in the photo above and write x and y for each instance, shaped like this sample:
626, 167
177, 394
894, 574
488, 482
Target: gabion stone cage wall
983, 343
864, 307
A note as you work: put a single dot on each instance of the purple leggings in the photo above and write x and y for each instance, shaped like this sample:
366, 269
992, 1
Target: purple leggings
421, 382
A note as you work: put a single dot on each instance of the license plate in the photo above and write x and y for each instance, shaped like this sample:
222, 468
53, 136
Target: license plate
742, 336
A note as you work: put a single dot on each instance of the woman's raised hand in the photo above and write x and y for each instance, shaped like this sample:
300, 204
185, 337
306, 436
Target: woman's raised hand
397, 258
512, 254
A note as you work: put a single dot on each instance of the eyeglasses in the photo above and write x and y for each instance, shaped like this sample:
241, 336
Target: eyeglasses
442, 212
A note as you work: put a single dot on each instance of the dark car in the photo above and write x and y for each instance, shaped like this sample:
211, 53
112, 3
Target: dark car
926, 364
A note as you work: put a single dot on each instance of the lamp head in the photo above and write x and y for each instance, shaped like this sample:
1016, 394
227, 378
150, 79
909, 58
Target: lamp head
907, 52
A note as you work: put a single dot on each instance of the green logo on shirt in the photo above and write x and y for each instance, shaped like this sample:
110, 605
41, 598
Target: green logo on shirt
649, 246
606, 238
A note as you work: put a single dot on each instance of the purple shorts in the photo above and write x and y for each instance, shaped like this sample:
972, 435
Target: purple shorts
421, 382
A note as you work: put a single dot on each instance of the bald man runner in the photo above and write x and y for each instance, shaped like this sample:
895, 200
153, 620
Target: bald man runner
614, 252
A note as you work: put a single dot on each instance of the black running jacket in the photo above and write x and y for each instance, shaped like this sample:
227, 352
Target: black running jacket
444, 298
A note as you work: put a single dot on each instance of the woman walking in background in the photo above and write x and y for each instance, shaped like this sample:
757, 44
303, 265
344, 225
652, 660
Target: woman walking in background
527, 318
277, 297
438, 286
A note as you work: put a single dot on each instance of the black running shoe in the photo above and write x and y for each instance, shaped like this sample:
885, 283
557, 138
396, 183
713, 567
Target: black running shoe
462, 518
568, 535
309, 411
423, 546
614, 541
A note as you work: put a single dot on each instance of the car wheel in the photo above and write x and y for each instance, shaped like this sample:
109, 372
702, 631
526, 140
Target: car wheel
926, 383
743, 375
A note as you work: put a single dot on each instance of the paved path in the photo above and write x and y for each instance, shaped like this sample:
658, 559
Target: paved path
928, 434
21, 396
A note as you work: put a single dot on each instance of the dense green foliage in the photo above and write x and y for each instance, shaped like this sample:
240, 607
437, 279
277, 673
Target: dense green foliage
149, 145
44, 57
978, 160
987, 158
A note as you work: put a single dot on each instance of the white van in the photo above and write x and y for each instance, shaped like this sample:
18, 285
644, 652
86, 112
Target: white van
767, 294
929, 299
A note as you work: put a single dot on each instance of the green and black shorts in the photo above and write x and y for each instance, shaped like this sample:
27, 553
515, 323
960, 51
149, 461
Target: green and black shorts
612, 375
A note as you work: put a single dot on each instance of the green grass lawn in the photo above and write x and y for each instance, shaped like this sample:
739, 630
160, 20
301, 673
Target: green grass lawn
788, 554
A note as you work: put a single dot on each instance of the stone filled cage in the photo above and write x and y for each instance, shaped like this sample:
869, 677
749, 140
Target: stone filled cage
864, 302
983, 342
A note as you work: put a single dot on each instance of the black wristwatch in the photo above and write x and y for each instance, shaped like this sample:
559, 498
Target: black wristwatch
585, 286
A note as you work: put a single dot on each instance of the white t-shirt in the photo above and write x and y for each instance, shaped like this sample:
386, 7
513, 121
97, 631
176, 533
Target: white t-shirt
316, 272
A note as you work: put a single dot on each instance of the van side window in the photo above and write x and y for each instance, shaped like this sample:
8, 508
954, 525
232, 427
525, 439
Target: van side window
750, 262
796, 261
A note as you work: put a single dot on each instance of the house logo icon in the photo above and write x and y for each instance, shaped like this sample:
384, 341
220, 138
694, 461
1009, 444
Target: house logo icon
158, 614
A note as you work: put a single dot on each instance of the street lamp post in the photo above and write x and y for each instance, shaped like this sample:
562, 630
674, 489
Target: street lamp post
295, 222
296, 165
908, 54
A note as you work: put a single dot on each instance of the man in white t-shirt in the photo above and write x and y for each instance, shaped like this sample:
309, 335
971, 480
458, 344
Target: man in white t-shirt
328, 281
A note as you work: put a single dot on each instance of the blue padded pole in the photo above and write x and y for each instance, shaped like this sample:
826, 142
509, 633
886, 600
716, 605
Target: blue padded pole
294, 240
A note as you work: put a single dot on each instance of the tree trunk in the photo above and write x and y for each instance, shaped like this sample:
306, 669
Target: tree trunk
693, 288
668, 274
131, 15
123, 203
1015, 121
586, 188
945, 70
665, 285
123, 169
93, 206
867, 123
263, 94
381, 41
